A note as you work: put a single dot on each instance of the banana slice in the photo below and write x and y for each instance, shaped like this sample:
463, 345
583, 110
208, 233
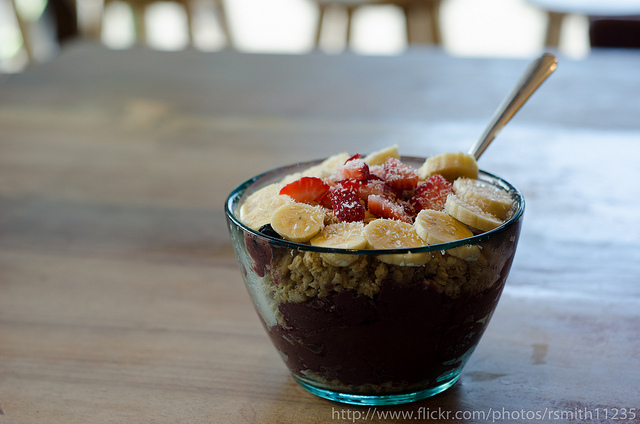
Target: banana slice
297, 222
314, 171
450, 165
332, 163
435, 227
392, 234
379, 157
470, 214
484, 195
344, 235
256, 211
290, 178
324, 169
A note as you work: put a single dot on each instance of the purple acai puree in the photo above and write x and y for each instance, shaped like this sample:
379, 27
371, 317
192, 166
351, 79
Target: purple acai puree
260, 252
408, 334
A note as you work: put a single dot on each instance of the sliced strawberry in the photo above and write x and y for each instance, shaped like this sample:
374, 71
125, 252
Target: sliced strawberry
326, 200
353, 169
377, 171
386, 207
351, 185
399, 175
365, 188
306, 190
375, 187
346, 204
431, 194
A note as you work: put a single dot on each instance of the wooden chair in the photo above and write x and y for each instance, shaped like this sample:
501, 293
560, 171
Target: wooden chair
43, 33
421, 17
139, 7
557, 10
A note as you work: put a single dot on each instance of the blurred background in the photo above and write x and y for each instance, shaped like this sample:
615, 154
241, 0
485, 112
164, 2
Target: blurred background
32, 31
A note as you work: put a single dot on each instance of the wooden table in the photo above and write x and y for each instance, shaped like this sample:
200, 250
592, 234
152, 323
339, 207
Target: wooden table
120, 299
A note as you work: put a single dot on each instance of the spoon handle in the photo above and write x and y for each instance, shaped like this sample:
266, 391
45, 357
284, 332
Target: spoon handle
537, 72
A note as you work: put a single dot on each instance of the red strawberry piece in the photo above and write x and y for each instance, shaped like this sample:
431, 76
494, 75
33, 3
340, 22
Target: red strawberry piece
376, 171
351, 185
366, 188
346, 204
386, 207
326, 200
353, 169
306, 190
400, 176
375, 187
431, 194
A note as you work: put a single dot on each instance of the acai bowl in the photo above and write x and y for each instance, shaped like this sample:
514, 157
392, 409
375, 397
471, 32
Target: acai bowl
375, 286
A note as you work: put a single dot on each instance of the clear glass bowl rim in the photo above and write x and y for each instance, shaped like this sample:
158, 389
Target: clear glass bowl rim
239, 191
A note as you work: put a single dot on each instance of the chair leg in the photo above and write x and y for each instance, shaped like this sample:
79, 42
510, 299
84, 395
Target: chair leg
408, 24
322, 10
24, 31
221, 14
350, 10
188, 9
423, 22
96, 27
139, 22
434, 19
554, 27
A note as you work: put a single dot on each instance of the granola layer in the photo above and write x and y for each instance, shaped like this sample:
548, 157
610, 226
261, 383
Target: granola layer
297, 276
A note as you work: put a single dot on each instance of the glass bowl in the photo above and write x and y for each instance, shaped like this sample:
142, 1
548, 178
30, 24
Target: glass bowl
373, 333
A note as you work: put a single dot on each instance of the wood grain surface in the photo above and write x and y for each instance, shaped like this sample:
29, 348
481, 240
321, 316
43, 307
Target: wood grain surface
120, 298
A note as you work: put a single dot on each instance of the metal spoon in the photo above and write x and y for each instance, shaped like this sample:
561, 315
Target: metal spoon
537, 72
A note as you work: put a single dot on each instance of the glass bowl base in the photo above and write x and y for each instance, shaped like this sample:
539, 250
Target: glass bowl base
391, 399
